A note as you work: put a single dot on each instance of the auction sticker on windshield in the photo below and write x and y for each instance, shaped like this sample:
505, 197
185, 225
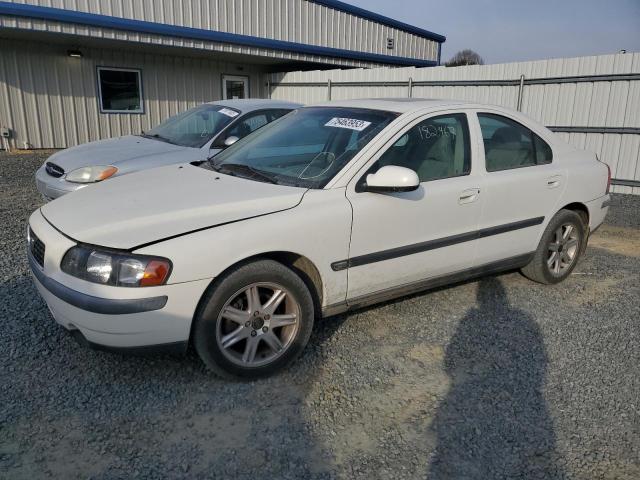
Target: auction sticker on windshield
228, 112
350, 123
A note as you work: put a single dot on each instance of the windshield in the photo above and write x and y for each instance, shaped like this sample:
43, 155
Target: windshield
194, 127
305, 148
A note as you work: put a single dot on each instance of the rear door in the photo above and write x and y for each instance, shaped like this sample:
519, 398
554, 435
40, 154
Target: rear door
401, 239
522, 186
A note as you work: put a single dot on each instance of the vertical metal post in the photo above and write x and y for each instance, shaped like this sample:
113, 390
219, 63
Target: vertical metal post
329, 89
269, 89
410, 89
520, 90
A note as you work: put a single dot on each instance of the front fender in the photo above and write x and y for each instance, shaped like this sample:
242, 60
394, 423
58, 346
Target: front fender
319, 228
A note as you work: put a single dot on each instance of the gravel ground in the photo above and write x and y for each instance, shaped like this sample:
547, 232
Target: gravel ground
498, 378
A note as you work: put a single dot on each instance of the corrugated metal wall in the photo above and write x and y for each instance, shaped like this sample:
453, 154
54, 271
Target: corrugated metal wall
40, 25
50, 99
298, 21
612, 104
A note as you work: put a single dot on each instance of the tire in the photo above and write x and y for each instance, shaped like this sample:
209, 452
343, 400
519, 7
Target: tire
237, 331
547, 270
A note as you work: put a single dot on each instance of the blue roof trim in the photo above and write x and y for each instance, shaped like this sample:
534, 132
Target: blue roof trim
361, 12
105, 21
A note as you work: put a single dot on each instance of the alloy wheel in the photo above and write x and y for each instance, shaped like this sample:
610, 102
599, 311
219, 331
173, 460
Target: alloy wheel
563, 249
257, 324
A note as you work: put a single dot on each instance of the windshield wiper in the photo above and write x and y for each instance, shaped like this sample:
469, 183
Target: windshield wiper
157, 136
235, 168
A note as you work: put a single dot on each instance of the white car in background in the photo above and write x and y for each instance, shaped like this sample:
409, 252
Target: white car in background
329, 208
193, 135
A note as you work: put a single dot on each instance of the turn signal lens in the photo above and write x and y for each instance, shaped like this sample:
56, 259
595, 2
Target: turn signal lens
155, 273
106, 173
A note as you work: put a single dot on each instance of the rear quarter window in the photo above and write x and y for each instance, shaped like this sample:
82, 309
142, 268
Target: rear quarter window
544, 154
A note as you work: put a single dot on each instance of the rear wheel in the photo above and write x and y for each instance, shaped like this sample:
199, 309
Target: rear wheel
254, 321
559, 249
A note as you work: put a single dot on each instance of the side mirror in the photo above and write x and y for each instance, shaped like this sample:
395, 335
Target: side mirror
230, 140
392, 179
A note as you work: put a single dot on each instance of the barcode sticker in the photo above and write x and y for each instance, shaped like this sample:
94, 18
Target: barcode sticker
350, 123
228, 112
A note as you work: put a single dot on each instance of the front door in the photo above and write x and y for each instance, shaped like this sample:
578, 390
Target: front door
399, 239
235, 87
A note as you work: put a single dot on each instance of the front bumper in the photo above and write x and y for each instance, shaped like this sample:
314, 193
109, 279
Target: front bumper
51, 187
112, 317
106, 306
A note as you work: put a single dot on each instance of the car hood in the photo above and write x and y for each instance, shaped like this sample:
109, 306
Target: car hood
114, 151
129, 211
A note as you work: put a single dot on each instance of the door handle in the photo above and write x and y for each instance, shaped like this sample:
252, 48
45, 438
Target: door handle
468, 196
553, 182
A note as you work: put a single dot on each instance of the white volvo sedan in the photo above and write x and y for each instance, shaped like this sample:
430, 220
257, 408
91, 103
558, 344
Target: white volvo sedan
330, 208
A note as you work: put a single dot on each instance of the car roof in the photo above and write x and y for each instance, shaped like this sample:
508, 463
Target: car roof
425, 105
250, 104
398, 105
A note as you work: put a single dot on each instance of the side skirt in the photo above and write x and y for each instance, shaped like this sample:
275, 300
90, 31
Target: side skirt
410, 288
175, 348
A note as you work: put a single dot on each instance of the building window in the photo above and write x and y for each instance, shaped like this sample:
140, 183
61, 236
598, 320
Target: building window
119, 90
234, 87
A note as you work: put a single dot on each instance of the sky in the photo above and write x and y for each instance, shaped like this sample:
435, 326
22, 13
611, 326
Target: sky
519, 30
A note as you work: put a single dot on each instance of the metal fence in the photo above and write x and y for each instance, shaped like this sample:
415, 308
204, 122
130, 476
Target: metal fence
592, 102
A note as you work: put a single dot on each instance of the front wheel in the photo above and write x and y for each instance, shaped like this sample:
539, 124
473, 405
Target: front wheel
559, 249
254, 321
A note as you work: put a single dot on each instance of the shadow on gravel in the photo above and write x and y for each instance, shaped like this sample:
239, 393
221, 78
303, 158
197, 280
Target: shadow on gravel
494, 422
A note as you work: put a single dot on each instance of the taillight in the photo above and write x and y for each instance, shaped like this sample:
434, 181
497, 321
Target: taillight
608, 175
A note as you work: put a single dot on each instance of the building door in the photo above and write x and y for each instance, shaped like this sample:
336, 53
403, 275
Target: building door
234, 87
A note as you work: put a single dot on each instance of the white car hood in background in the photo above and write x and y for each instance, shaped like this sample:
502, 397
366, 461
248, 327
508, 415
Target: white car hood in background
112, 151
143, 207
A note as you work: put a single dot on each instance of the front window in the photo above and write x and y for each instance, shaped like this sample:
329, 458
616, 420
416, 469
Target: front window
194, 127
306, 148
435, 148
253, 121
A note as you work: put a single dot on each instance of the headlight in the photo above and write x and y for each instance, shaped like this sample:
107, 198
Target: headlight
115, 268
93, 174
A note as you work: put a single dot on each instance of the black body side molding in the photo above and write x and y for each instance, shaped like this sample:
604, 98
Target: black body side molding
433, 244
